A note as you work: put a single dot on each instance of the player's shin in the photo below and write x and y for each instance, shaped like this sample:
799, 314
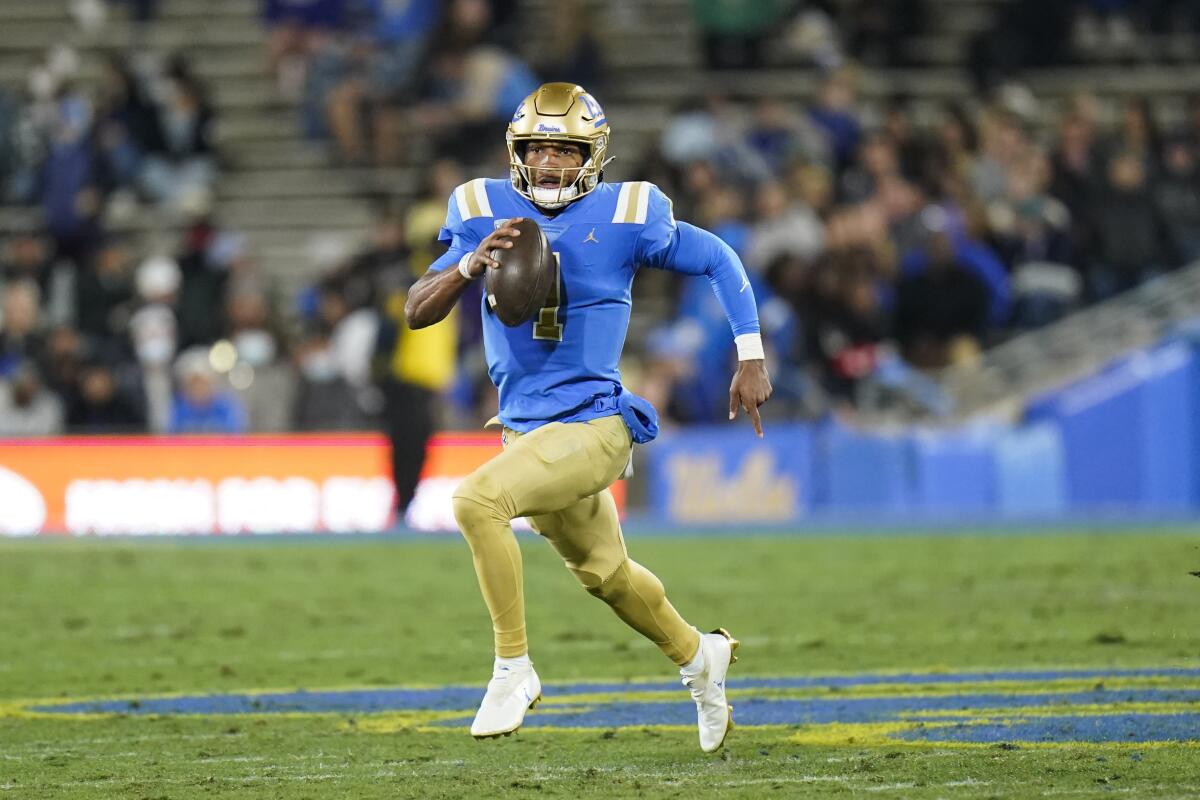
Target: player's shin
638, 598
498, 567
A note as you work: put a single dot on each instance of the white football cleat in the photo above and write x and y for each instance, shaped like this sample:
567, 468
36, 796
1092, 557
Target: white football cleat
714, 715
511, 692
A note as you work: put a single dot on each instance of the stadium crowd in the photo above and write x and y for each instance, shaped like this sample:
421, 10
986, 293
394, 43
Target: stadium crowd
882, 243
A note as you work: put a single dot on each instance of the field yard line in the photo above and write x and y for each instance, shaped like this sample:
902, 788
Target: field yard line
781, 779
248, 779
887, 787
60, 745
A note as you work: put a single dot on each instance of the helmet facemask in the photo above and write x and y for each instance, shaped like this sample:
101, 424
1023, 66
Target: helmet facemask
563, 113
587, 175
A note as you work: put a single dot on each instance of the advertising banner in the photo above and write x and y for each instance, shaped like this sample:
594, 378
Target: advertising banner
225, 485
715, 475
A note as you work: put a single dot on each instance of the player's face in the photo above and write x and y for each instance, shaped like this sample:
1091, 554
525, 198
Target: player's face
556, 163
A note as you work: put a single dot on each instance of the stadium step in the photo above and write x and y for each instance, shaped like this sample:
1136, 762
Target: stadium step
315, 182
291, 213
185, 36
275, 154
257, 125
33, 11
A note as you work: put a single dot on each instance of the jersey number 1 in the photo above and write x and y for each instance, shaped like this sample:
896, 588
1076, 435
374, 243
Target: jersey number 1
547, 327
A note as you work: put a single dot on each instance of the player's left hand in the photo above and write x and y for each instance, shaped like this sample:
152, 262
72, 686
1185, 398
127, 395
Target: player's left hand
750, 389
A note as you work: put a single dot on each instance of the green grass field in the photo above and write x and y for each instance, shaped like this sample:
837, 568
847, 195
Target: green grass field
100, 619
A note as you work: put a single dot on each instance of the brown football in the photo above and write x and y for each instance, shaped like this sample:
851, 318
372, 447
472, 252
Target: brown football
519, 286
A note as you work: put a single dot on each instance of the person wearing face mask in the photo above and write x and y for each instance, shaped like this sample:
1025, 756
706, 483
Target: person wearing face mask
152, 330
261, 379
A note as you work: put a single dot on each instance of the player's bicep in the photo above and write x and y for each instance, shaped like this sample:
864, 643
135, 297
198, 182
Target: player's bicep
658, 229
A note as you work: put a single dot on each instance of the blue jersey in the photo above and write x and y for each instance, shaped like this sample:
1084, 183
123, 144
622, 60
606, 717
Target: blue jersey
562, 365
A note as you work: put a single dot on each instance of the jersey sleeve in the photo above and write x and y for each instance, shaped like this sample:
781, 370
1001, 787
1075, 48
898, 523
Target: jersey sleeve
658, 227
456, 235
695, 251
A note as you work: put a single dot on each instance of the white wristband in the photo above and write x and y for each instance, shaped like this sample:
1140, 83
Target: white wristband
462, 267
749, 347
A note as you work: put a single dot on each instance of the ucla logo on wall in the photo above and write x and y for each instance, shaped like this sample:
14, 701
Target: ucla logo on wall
724, 475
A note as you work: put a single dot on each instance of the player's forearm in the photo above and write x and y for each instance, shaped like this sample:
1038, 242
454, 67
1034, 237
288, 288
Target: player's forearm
698, 251
432, 297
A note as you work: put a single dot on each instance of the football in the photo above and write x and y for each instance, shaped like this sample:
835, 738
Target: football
519, 286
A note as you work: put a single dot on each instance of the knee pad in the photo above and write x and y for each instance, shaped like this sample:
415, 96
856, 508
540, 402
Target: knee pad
627, 578
477, 501
600, 569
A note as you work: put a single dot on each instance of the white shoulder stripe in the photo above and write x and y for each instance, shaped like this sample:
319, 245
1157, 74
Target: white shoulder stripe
480, 186
460, 197
622, 202
643, 204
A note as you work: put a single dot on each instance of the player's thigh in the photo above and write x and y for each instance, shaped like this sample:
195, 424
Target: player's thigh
587, 534
552, 467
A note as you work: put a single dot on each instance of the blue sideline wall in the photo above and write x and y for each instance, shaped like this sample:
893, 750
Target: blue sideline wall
1124, 442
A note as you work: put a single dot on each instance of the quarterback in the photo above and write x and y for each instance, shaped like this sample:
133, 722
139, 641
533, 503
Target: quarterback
568, 424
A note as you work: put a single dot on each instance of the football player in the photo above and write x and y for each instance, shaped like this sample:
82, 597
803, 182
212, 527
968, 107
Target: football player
568, 424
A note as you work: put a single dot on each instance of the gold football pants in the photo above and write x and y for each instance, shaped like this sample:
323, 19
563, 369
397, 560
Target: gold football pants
558, 475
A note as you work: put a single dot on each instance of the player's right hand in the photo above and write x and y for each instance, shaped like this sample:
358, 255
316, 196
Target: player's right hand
485, 255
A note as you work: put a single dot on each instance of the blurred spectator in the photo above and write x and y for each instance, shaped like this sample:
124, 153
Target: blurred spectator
27, 408
734, 32
62, 360
387, 252
935, 223
152, 331
572, 52
1003, 143
200, 405
782, 228
186, 163
262, 379
104, 292
26, 256
877, 164
722, 212
96, 404
127, 124
379, 68
1077, 172
467, 94
416, 367
352, 333
296, 28
843, 321
1137, 133
212, 260
20, 338
425, 216
942, 311
1130, 241
1027, 224
70, 196
777, 138
1177, 193
335, 365
834, 114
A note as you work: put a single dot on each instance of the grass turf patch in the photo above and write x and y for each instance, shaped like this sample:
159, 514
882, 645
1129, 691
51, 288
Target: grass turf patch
100, 618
